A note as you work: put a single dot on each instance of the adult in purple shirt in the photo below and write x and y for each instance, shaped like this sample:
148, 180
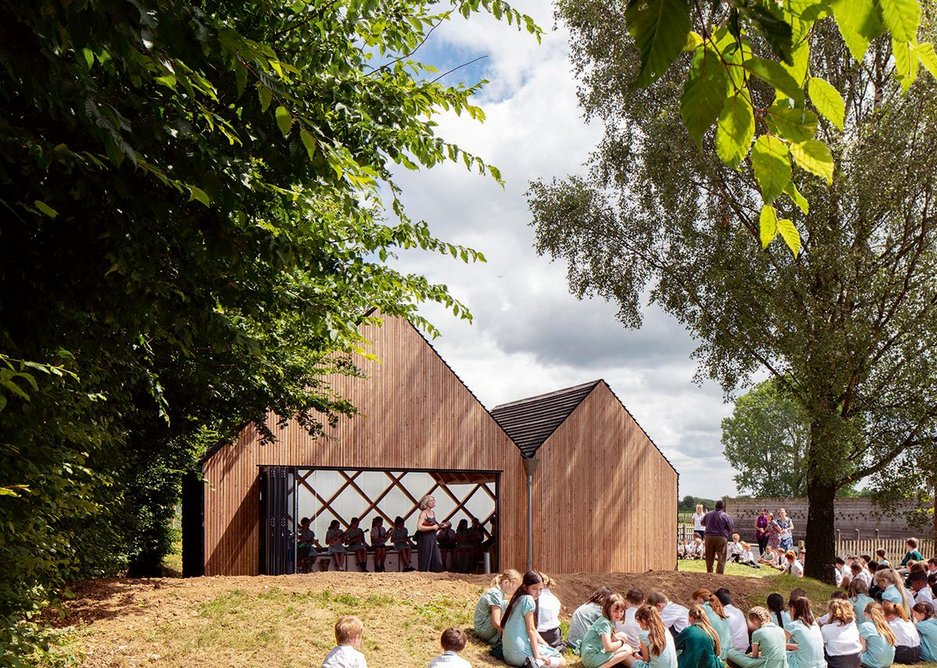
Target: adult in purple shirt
719, 527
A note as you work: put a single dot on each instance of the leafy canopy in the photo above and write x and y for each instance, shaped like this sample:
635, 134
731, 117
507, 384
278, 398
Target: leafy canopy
199, 206
751, 78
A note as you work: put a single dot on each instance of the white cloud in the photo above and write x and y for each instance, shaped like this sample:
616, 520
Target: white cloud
530, 335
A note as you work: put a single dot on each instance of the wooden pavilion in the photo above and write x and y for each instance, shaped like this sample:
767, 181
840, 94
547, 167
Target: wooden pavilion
604, 496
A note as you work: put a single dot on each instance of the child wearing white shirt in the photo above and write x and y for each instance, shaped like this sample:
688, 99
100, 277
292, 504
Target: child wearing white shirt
348, 632
634, 599
735, 548
453, 642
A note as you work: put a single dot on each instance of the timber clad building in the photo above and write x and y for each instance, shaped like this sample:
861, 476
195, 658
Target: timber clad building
604, 497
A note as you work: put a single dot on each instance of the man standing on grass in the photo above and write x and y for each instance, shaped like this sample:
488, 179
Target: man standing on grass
719, 527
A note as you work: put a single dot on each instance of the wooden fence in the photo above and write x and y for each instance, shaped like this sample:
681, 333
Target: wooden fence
895, 548
854, 543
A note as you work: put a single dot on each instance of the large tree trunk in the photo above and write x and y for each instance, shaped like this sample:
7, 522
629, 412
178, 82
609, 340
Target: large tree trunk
820, 543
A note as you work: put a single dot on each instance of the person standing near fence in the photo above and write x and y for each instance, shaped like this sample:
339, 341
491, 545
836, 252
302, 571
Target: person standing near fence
718, 527
761, 530
698, 520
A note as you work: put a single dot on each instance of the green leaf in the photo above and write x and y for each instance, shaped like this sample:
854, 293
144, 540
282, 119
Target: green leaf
791, 191
827, 100
693, 41
660, 29
309, 142
795, 124
776, 31
925, 53
735, 130
859, 23
284, 120
3, 402
902, 18
801, 58
790, 234
167, 80
704, 93
265, 96
906, 62
814, 156
240, 76
767, 225
772, 72
46, 209
772, 164
200, 195
15, 389
88, 56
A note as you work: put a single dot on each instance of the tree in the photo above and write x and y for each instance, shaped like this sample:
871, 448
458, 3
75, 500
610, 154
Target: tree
765, 440
726, 61
848, 326
195, 229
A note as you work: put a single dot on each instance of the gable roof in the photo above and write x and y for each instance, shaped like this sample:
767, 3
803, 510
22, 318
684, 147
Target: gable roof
530, 422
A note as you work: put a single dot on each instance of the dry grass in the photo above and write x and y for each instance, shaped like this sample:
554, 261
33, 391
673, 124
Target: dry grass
287, 621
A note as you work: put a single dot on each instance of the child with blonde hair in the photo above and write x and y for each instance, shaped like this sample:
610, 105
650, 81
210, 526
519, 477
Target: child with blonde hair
769, 644
347, 653
698, 644
877, 638
491, 605
907, 639
841, 636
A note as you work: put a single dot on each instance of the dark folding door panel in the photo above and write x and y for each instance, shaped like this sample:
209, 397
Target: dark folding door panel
193, 525
276, 507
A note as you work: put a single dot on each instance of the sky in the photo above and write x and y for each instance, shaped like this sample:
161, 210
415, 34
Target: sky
529, 335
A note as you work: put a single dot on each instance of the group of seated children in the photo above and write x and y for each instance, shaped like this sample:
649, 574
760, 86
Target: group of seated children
462, 546
347, 654
519, 616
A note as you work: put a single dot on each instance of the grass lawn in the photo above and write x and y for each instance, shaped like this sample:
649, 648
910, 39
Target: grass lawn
287, 621
699, 566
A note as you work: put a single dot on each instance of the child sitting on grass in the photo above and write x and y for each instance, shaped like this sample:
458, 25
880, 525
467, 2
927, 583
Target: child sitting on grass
348, 631
453, 642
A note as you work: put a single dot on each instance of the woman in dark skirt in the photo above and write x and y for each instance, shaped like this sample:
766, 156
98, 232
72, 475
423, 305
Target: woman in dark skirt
428, 557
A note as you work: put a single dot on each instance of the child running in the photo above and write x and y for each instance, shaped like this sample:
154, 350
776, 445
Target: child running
492, 603
602, 645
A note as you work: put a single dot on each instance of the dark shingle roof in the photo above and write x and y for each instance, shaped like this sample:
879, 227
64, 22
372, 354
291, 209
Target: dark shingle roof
530, 422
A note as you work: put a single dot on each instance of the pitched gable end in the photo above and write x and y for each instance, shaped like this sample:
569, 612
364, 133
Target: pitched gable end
531, 421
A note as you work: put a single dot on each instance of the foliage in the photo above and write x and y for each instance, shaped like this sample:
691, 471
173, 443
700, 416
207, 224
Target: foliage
750, 68
765, 440
848, 327
688, 503
195, 229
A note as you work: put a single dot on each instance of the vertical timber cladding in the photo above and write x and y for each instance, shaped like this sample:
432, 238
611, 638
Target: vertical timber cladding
414, 412
605, 496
